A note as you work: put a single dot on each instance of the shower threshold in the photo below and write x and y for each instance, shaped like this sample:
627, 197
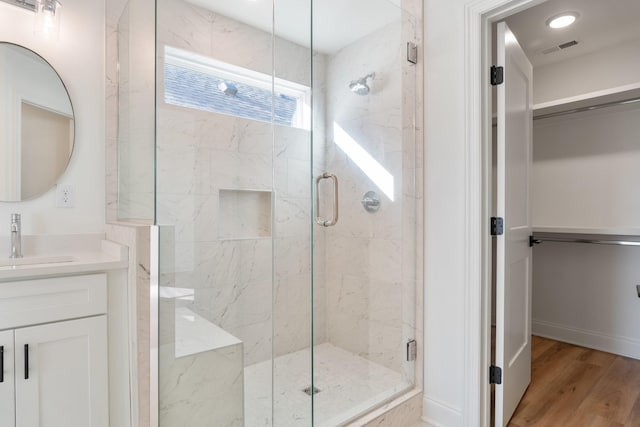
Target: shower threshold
349, 386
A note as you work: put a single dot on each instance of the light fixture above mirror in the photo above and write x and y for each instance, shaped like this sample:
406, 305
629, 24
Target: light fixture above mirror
47, 15
25, 4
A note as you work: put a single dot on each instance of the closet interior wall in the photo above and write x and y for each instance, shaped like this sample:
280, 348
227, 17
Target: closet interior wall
584, 181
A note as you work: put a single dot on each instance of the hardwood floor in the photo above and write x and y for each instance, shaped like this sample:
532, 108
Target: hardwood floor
576, 386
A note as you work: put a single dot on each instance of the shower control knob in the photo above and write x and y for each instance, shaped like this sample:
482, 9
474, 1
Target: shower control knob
371, 201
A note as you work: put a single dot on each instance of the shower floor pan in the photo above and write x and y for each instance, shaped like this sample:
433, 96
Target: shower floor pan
346, 385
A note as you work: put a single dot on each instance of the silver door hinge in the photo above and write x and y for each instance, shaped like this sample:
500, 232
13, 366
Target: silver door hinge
412, 350
412, 52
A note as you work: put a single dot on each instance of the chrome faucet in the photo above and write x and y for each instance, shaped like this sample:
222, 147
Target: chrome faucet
16, 236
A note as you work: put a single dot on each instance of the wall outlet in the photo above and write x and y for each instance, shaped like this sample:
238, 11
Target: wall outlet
64, 196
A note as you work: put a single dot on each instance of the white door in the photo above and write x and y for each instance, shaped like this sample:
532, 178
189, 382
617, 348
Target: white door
61, 374
513, 262
7, 398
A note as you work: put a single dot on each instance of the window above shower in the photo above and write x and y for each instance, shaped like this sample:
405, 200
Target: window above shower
195, 81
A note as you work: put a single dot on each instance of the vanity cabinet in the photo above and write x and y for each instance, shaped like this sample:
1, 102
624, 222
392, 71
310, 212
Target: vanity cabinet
54, 374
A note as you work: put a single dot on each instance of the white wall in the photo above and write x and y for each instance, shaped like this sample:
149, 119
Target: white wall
444, 211
78, 56
585, 169
369, 269
445, 204
607, 68
585, 175
586, 294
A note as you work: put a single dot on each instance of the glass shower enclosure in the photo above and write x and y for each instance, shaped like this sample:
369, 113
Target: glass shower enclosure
285, 198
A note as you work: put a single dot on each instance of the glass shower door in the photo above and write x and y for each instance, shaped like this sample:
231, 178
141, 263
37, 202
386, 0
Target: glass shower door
215, 202
285, 198
365, 229
293, 308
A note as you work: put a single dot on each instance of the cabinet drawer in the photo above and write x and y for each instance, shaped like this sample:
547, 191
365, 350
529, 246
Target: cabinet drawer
30, 302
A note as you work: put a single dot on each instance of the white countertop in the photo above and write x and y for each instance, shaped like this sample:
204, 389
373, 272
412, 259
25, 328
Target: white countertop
89, 252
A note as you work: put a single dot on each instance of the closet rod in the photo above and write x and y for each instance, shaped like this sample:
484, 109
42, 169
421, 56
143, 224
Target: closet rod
589, 108
539, 239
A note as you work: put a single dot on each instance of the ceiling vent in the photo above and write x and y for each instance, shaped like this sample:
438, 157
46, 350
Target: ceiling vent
568, 44
559, 47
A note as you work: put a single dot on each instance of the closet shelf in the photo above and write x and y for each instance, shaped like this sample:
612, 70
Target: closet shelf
633, 232
607, 96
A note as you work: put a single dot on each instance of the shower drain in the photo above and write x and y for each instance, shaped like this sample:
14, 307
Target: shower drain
307, 390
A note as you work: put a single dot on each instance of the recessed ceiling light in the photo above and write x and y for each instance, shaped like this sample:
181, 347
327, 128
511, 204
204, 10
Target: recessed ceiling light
562, 20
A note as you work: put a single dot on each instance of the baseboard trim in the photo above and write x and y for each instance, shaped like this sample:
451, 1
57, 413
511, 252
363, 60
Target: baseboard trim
439, 414
610, 343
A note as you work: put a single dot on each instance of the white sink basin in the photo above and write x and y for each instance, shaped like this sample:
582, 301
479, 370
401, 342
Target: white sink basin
32, 260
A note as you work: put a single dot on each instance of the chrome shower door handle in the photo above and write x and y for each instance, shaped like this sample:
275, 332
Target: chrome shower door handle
333, 221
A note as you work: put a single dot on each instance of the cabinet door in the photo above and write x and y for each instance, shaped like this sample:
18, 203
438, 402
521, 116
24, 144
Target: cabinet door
7, 398
61, 374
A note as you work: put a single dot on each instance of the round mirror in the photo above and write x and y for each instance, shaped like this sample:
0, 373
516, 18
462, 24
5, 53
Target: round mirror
36, 124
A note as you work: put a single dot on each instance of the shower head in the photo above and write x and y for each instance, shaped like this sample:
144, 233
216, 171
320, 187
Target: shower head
360, 86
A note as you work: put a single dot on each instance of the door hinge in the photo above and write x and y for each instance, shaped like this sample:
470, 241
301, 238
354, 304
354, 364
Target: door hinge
495, 375
497, 226
533, 241
497, 75
412, 52
412, 350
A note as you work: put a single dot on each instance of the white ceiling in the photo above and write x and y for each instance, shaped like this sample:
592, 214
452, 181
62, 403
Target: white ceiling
337, 23
602, 23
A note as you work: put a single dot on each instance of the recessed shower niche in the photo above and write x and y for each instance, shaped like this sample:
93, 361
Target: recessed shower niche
244, 214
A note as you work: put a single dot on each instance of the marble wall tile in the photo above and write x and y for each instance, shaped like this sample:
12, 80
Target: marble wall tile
253, 137
292, 143
291, 333
298, 179
137, 238
320, 312
385, 345
256, 259
371, 253
182, 259
194, 216
130, 66
111, 115
218, 263
292, 217
111, 179
239, 44
181, 170
213, 304
189, 385
185, 26
386, 302
348, 256
386, 259
256, 170
258, 341
291, 256
298, 71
